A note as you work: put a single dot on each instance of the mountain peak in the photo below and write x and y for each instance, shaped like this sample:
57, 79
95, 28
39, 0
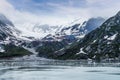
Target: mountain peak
5, 20
101, 43
115, 20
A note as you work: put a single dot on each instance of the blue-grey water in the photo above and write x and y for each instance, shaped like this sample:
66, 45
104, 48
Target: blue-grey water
58, 70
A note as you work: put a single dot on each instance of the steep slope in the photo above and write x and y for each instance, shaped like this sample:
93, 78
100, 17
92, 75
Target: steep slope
101, 43
5, 20
13, 44
80, 29
52, 43
11, 50
75, 30
8, 40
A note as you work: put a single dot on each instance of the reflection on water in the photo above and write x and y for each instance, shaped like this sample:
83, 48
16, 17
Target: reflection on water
58, 70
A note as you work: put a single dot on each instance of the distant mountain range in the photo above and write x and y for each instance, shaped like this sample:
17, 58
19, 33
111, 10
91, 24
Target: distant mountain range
9, 46
75, 29
64, 36
93, 39
101, 43
37, 31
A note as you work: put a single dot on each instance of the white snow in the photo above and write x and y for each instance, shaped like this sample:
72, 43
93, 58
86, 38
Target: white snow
108, 42
105, 37
2, 49
81, 51
36, 31
68, 32
31, 50
112, 37
81, 36
94, 41
77, 21
67, 29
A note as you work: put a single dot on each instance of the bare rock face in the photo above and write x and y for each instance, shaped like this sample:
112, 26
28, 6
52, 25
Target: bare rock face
8, 40
101, 43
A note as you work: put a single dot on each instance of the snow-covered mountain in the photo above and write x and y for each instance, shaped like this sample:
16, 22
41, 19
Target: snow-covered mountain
44, 29
9, 39
7, 28
42, 40
101, 43
75, 30
80, 29
48, 45
38, 31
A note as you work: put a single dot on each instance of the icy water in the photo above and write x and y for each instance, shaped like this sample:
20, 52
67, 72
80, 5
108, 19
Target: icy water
58, 70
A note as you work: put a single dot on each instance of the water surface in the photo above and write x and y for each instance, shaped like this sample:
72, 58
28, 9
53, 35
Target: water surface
58, 70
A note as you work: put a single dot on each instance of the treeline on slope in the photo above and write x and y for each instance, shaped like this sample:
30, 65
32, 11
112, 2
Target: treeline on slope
13, 51
98, 44
48, 48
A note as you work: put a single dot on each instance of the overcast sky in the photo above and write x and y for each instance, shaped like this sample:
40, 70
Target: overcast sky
55, 12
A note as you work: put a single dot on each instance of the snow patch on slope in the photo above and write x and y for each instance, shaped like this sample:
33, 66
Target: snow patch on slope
2, 48
81, 52
112, 37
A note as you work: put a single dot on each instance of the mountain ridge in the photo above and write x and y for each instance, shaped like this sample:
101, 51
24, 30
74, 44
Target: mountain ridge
101, 43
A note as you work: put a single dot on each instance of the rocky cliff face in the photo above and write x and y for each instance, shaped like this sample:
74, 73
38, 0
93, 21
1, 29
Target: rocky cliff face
51, 46
63, 37
101, 43
8, 40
